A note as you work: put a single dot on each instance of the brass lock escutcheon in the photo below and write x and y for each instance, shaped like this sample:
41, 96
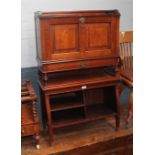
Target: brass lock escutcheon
82, 20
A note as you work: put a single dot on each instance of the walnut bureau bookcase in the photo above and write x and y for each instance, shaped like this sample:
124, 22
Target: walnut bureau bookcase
78, 55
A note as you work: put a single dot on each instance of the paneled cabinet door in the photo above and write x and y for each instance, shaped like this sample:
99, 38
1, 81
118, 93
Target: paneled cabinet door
62, 38
100, 35
79, 37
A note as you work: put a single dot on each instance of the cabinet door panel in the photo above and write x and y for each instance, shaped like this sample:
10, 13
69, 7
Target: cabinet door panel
62, 39
98, 36
101, 37
79, 37
65, 38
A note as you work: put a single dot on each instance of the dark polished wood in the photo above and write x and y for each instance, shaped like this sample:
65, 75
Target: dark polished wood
73, 51
29, 119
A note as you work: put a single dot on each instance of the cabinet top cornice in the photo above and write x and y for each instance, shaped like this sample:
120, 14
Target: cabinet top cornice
77, 13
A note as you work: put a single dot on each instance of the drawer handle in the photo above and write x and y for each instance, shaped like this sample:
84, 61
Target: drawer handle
84, 87
82, 20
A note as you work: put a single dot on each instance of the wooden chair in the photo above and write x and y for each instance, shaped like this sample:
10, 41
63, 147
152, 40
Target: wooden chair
126, 69
126, 49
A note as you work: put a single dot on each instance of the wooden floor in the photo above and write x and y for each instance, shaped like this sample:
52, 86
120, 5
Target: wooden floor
79, 136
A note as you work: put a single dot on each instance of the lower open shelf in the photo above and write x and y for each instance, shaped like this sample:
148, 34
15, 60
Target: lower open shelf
66, 101
82, 106
81, 115
67, 117
98, 111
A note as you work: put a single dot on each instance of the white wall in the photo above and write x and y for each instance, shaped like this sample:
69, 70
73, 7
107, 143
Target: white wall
28, 50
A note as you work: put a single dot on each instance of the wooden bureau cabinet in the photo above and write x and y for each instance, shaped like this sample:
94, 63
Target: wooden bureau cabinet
75, 52
75, 40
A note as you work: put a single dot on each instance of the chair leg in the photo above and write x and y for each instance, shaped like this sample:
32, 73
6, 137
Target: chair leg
130, 113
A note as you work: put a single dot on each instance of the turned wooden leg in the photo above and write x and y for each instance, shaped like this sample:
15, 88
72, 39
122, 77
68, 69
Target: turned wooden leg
49, 119
43, 108
130, 113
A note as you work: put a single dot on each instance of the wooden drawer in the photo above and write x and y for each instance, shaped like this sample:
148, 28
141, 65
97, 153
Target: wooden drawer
60, 66
79, 64
99, 63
